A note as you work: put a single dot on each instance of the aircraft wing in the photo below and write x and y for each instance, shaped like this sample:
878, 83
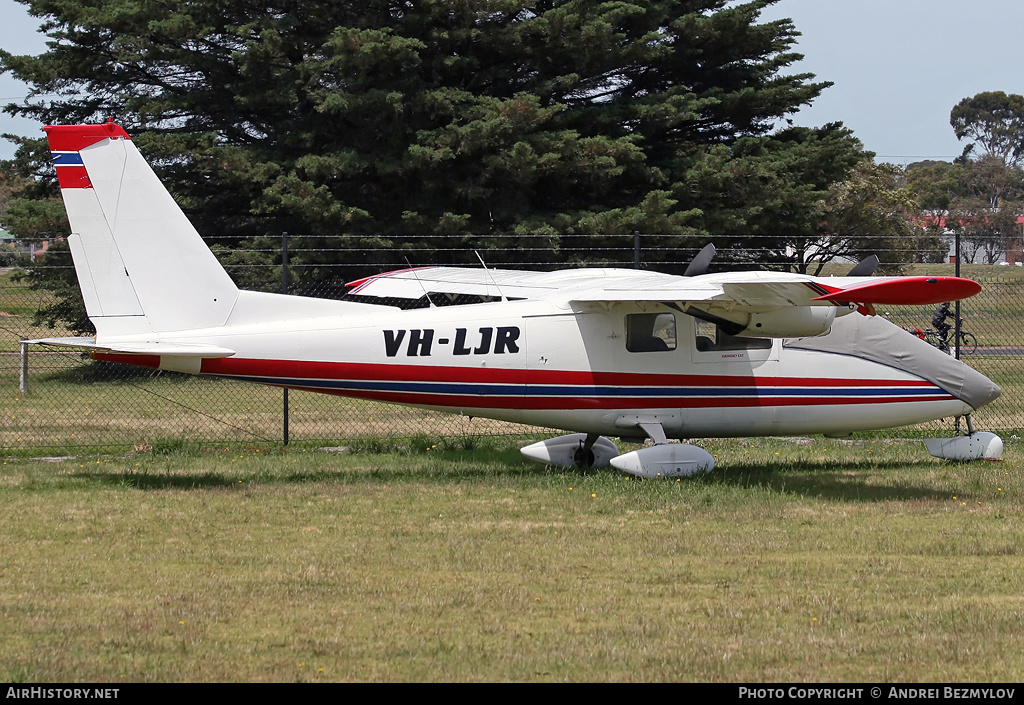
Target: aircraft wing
747, 290
511, 284
590, 284
769, 290
415, 282
750, 290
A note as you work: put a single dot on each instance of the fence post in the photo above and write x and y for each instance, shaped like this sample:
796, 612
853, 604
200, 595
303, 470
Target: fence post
23, 370
956, 314
636, 249
284, 290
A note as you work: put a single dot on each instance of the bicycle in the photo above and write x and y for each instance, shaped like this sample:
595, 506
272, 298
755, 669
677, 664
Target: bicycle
968, 343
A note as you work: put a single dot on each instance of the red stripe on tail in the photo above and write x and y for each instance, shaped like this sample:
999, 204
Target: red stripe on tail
72, 138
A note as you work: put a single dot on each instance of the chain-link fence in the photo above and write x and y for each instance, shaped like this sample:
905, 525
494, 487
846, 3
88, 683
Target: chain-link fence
61, 399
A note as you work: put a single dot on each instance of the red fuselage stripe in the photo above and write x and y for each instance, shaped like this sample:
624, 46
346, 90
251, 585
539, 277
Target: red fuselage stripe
531, 389
299, 370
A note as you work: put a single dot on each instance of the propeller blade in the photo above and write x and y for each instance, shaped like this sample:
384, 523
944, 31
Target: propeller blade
699, 264
865, 268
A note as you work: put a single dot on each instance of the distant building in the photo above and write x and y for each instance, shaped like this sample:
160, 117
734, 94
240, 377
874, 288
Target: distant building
1004, 250
35, 249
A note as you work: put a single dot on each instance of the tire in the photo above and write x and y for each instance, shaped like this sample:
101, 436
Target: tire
968, 343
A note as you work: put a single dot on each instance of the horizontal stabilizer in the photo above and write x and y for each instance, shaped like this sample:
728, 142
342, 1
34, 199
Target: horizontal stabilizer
169, 349
905, 291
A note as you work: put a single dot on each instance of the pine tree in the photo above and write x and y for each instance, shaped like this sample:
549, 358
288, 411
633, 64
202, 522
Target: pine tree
432, 126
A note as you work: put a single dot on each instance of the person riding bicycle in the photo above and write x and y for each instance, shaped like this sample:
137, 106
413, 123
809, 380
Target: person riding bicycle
939, 321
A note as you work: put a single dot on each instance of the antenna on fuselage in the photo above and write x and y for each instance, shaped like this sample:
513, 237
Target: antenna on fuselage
484, 265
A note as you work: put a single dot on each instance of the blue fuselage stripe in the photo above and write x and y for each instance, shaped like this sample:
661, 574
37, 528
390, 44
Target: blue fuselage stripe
576, 391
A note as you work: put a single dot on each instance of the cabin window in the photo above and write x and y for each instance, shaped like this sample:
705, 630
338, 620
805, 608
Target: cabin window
710, 337
650, 332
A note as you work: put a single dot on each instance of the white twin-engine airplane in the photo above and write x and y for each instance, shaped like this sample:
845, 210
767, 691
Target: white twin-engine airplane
600, 352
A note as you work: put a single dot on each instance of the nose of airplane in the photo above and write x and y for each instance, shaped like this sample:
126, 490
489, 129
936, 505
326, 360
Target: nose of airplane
875, 339
976, 389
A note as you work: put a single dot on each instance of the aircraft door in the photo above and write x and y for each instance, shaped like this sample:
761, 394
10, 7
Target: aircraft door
734, 373
569, 342
614, 368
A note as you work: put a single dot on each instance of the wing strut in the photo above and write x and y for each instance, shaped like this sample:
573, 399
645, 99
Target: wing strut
655, 430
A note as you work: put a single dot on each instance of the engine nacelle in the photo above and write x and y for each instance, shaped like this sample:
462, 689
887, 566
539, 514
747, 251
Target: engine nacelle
666, 460
567, 452
790, 322
980, 444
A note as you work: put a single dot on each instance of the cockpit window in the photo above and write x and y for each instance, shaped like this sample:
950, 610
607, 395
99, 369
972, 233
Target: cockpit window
650, 332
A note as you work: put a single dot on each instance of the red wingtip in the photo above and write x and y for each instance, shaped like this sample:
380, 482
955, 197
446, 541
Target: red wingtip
72, 138
906, 291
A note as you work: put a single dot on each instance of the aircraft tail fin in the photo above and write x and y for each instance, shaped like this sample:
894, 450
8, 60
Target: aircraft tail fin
141, 265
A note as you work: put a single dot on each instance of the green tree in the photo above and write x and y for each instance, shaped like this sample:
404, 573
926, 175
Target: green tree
872, 213
977, 199
995, 120
432, 127
771, 193
981, 194
985, 208
935, 184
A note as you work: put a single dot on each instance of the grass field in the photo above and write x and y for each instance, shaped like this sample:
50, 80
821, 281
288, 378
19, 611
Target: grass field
442, 561
447, 558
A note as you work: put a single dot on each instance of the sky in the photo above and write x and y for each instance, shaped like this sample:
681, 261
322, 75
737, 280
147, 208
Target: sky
898, 66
